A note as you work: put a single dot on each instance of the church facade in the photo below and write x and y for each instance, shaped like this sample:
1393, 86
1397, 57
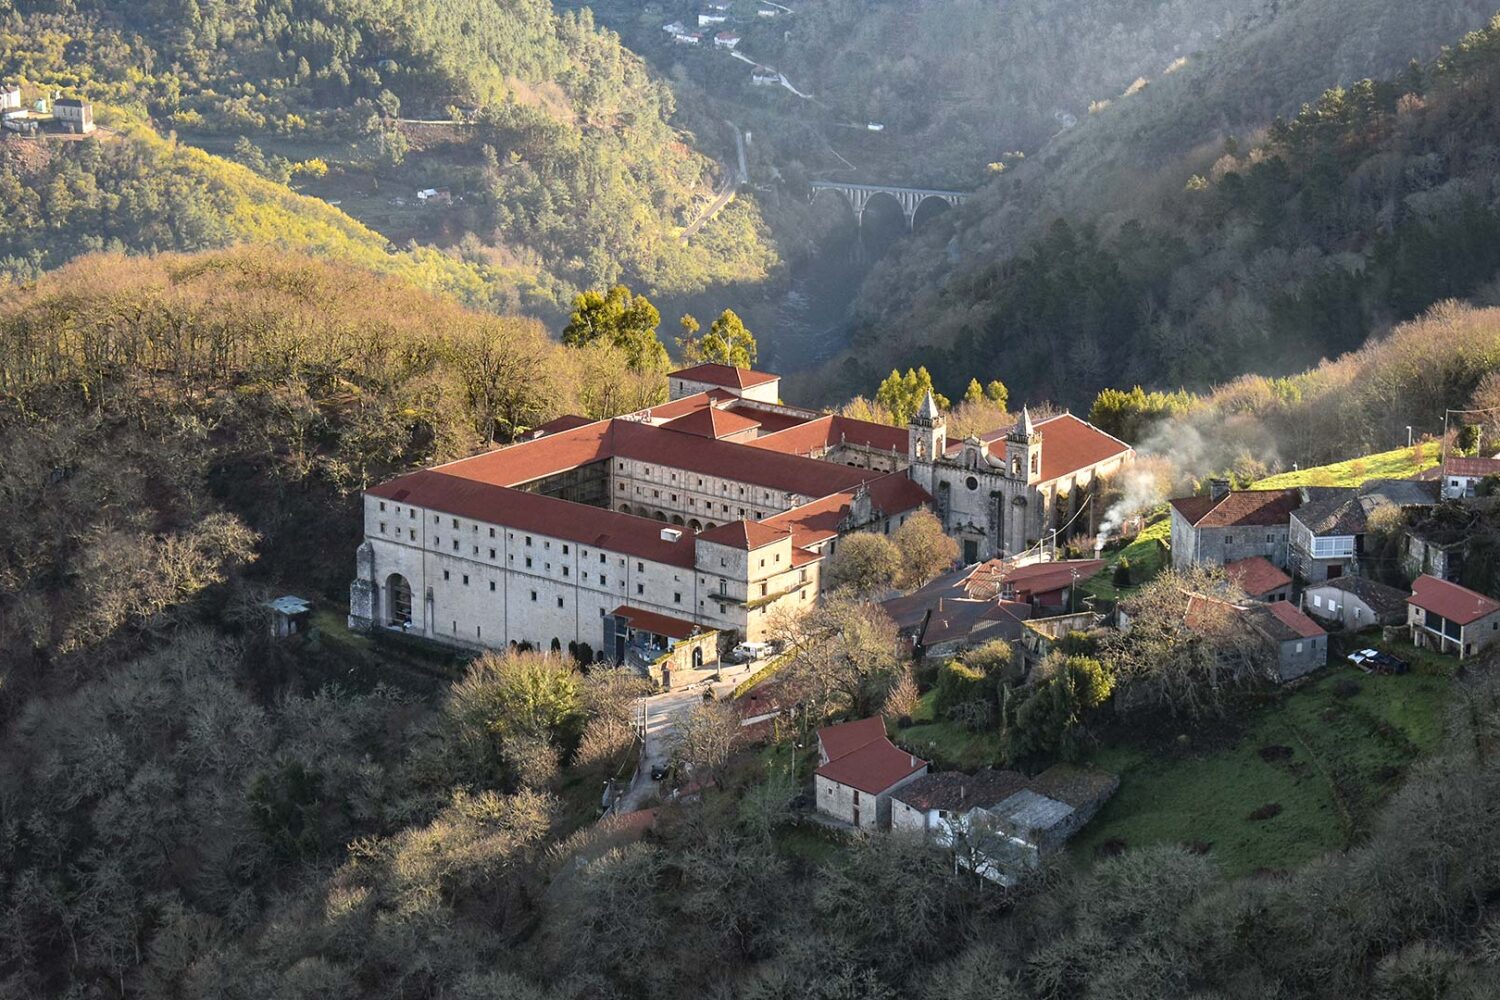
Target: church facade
1006, 493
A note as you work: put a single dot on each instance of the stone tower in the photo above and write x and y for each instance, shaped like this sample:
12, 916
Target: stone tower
927, 434
1023, 450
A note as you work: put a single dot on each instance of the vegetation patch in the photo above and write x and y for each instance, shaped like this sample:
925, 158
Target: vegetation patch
1301, 750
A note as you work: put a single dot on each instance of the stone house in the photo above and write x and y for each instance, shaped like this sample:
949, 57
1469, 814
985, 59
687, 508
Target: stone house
1328, 529
1229, 525
74, 115
930, 806
1354, 603
860, 771
1448, 618
1298, 644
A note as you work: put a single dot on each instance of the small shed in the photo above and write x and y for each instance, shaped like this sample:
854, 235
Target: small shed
289, 615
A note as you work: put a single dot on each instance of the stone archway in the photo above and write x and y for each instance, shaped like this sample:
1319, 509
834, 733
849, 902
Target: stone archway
659, 516
398, 601
677, 520
696, 525
625, 508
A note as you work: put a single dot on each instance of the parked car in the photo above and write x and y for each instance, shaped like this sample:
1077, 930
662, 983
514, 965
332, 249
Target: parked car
1360, 657
1373, 661
745, 652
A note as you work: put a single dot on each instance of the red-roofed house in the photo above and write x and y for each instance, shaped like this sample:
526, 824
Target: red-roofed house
1229, 525
1451, 619
860, 770
1299, 643
1461, 475
741, 382
1260, 579
1016, 488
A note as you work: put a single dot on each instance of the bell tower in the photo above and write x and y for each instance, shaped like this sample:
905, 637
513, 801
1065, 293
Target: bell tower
927, 434
1023, 450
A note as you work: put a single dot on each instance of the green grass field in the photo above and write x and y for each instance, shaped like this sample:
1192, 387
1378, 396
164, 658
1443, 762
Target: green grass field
946, 745
1146, 555
1327, 755
1399, 463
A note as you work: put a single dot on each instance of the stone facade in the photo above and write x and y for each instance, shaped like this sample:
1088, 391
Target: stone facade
1004, 494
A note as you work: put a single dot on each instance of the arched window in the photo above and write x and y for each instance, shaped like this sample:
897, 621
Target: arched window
624, 508
677, 519
397, 600
660, 516
696, 525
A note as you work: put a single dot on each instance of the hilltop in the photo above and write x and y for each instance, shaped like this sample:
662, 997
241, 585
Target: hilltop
1171, 239
550, 141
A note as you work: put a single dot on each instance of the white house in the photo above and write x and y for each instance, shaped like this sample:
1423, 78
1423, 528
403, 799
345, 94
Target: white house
726, 40
75, 115
10, 97
1461, 475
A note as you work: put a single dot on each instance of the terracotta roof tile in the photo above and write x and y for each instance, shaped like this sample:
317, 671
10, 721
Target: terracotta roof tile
1455, 603
716, 374
872, 768
743, 535
1257, 575
657, 623
1069, 444
847, 737
831, 430
1239, 508
712, 422
1298, 623
1461, 466
524, 511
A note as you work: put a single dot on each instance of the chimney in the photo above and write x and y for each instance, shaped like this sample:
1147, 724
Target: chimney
671, 534
1218, 489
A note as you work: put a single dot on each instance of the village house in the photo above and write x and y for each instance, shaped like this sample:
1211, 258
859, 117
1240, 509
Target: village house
1461, 475
10, 97
1448, 618
1354, 603
1298, 644
726, 40
1228, 525
712, 14
1016, 488
999, 823
74, 115
688, 38
1260, 579
1328, 528
700, 510
764, 76
859, 771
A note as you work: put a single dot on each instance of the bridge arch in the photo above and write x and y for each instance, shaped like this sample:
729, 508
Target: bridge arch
910, 199
930, 208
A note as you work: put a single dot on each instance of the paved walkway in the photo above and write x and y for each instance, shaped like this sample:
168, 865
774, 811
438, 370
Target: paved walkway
663, 711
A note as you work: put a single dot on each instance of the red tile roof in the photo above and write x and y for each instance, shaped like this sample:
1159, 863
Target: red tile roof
832, 430
1295, 620
712, 422
715, 374
566, 422
873, 768
891, 494
743, 535
1069, 444
656, 624
524, 511
1455, 603
846, 737
1042, 578
1477, 467
1239, 508
1257, 575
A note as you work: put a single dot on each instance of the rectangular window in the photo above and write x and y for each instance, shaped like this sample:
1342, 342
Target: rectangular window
455, 545
565, 571
602, 580
492, 553
455, 522
640, 588
382, 505
492, 532
413, 534
677, 598
412, 514
565, 549
559, 602
466, 579
533, 597
492, 586
528, 541
640, 567
382, 527
601, 558
435, 519
528, 562
445, 574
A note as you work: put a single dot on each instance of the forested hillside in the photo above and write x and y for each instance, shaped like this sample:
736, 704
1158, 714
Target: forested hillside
562, 164
1151, 241
192, 810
